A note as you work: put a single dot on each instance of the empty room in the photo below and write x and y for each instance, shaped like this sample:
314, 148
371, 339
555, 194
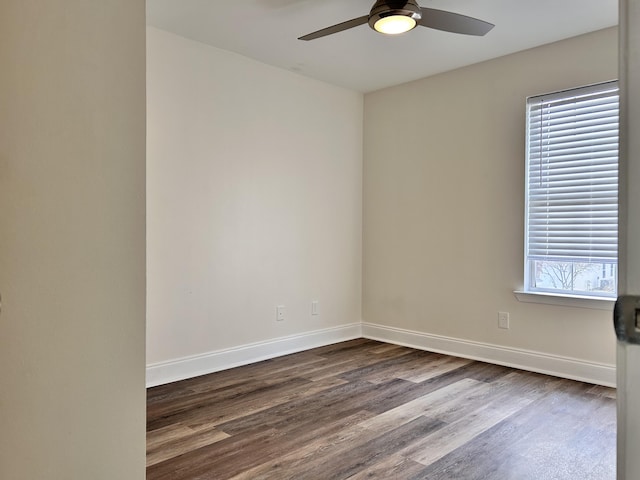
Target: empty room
319, 205
295, 239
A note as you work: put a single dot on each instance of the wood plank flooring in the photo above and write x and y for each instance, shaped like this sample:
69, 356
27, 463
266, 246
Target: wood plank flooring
369, 410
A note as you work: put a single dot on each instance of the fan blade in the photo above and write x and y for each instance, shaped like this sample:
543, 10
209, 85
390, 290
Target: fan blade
336, 28
453, 22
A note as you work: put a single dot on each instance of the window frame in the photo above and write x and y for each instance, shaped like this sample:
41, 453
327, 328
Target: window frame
530, 291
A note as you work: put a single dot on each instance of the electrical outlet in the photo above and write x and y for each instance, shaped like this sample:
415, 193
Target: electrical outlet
315, 307
503, 320
280, 313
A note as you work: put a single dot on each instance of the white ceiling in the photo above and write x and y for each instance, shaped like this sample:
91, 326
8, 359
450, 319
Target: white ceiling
361, 59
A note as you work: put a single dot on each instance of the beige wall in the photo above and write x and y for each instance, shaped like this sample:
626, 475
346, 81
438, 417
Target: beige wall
72, 240
443, 202
254, 200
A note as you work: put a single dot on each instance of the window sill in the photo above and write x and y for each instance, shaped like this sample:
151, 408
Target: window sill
596, 303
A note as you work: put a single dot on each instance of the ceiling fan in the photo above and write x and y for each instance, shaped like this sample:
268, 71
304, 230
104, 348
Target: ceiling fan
392, 17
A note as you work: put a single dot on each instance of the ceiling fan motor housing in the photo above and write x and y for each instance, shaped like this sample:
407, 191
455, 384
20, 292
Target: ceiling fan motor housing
386, 8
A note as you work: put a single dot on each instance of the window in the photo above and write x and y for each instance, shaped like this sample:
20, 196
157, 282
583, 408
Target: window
571, 237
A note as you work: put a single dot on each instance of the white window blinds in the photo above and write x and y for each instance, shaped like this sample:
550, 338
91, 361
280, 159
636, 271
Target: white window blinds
572, 175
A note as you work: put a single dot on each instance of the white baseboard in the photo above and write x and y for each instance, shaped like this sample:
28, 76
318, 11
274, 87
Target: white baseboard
565, 367
559, 366
193, 366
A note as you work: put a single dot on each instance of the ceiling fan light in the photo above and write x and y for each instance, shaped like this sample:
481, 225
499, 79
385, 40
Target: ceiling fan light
394, 24
392, 17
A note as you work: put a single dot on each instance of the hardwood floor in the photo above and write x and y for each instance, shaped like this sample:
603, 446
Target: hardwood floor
364, 410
